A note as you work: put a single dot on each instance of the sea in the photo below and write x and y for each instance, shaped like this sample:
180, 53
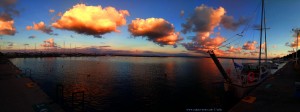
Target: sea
133, 84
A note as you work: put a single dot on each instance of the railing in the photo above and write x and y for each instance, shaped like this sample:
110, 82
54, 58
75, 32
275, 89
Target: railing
73, 103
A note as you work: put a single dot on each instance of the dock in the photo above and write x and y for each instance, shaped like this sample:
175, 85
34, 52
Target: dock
279, 93
21, 94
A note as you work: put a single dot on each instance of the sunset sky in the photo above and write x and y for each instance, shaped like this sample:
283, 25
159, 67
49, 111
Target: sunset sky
188, 27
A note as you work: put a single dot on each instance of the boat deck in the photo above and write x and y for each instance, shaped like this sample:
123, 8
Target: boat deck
278, 93
238, 82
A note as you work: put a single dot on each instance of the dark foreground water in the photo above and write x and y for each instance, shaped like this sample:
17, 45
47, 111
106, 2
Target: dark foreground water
145, 84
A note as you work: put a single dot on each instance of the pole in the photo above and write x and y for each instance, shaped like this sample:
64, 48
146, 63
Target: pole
219, 66
297, 48
261, 28
265, 29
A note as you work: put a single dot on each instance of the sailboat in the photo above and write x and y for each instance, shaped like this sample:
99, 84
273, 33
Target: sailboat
249, 74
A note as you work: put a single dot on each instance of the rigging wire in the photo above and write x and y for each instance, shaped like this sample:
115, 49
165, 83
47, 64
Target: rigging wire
238, 35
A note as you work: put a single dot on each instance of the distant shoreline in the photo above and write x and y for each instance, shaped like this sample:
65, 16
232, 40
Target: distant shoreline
42, 55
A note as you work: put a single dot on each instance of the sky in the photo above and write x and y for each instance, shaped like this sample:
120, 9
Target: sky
162, 27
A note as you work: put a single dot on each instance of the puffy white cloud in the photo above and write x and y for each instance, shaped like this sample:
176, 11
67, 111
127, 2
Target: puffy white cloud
157, 30
92, 20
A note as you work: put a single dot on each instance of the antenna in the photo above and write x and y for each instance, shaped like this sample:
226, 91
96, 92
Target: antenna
75, 48
64, 47
70, 48
34, 47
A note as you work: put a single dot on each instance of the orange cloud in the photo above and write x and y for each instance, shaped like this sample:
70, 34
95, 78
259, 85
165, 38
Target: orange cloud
59, 14
232, 49
6, 21
92, 20
263, 45
203, 22
202, 44
294, 43
157, 30
49, 43
250, 45
41, 27
51, 10
7, 27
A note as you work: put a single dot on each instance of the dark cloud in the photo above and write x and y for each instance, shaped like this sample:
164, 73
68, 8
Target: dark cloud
32, 37
256, 27
105, 46
204, 19
287, 44
5, 17
10, 44
8, 7
229, 23
181, 13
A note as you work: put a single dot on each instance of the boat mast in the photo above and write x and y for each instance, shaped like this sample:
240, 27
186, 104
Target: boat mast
265, 29
261, 28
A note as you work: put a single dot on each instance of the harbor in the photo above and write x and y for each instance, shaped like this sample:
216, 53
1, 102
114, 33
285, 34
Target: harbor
149, 56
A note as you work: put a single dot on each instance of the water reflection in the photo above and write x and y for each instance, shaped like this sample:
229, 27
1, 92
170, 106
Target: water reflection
133, 83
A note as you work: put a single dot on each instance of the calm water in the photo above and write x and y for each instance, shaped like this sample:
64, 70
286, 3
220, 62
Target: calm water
134, 83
